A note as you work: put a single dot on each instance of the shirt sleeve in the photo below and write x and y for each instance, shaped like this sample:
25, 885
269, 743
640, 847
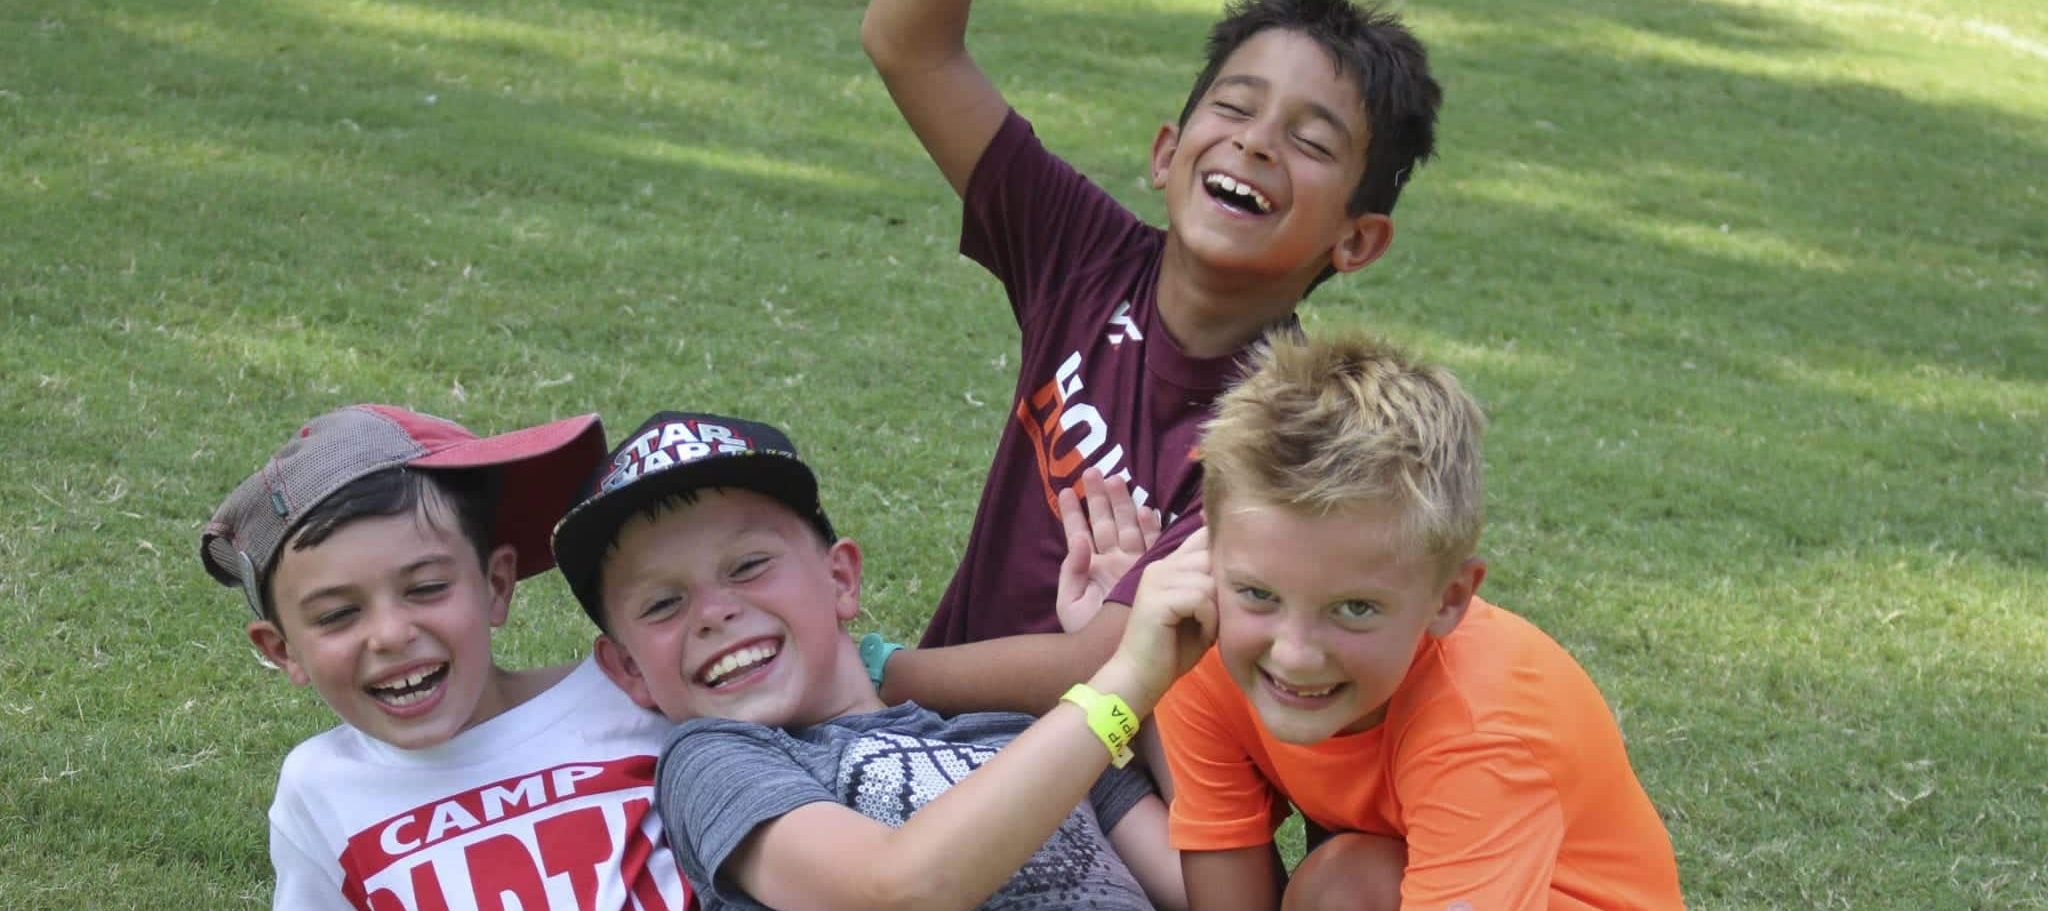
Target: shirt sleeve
302, 882
1485, 825
1033, 221
1221, 800
1116, 792
719, 780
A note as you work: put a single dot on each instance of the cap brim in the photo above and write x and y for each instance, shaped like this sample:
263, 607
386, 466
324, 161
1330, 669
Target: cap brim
588, 529
541, 470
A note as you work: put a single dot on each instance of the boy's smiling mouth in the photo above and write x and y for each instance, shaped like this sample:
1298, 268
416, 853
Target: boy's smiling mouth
739, 663
409, 688
1299, 694
1237, 194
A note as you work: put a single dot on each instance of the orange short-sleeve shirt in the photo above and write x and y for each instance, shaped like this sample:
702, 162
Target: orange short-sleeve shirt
1498, 763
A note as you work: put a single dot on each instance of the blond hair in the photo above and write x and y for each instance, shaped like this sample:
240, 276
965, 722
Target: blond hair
1322, 426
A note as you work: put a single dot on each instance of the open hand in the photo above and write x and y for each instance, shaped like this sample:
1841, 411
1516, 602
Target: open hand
1106, 535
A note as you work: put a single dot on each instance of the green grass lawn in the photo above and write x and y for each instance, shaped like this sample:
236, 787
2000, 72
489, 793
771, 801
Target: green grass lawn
1756, 294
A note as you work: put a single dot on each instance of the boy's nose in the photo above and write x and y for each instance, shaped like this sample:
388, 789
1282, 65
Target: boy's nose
712, 614
1255, 138
1294, 649
391, 629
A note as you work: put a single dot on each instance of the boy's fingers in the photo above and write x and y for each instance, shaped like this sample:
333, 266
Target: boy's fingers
1204, 633
1101, 514
1130, 531
1192, 554
1078, 556
1149, 525
1073, 583
1072, 520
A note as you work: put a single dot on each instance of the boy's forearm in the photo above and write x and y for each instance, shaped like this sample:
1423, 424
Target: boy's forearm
1241, 879
1140, 839
920, 49
984, 829
1013, 674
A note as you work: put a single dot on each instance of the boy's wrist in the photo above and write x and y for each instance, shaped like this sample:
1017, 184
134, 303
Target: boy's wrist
875, 653
1109, 718
1119, 678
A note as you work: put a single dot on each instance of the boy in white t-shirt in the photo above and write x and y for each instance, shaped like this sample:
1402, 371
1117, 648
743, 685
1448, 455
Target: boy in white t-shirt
378, 549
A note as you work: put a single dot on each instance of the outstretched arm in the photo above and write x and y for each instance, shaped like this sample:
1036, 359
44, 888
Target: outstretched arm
957, 850
1013, 674
1028, 673
920, 49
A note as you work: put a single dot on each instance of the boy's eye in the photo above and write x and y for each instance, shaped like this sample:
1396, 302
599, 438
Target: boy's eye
1314, 146
1357, 610
335, 616
661, 606
1255, 597
749, 567
427, 589
1232, 109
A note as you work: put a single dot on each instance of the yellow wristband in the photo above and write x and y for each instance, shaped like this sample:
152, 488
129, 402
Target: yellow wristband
1109, 717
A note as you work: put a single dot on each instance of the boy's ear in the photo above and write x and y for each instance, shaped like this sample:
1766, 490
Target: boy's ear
1457, 596
501, 573
844, 560
1163, 147
624, 673
270, 642
1368, 236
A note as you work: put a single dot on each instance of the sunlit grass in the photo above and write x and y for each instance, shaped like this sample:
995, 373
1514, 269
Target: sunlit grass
1753, 291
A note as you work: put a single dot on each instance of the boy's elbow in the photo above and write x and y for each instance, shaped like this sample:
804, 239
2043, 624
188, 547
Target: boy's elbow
901, 40
879, 38
872, 38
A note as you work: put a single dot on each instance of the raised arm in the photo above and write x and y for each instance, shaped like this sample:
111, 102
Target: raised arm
960, 848
920, 49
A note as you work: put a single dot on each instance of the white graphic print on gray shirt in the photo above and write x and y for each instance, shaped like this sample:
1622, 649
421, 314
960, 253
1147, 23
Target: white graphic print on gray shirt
720, 779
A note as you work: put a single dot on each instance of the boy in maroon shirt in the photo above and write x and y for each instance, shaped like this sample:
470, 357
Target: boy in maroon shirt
1280, 172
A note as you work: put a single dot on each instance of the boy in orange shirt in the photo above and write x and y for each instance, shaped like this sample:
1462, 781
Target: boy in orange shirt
1461, 757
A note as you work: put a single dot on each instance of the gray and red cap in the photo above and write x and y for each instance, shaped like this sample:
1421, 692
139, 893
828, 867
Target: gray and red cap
540, 468
673, 452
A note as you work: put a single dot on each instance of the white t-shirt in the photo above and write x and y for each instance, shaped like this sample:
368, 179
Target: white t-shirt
548, 805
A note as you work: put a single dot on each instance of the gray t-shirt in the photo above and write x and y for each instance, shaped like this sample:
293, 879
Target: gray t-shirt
719, 779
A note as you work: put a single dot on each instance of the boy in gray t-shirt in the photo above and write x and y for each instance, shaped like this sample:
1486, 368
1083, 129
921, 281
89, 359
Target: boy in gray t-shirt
721, 591
720, 780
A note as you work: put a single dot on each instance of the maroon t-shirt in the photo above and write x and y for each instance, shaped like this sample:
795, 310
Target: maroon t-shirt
1100, 384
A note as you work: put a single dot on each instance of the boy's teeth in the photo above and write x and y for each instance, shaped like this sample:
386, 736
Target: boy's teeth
1235, 187
415, 679
1298, 691
406, 698
740, 660
408, 689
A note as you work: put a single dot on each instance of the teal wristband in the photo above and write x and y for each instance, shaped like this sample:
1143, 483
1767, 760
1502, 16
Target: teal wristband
874, 653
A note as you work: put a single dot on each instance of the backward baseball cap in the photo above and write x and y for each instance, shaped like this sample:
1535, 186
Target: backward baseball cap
541, 468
